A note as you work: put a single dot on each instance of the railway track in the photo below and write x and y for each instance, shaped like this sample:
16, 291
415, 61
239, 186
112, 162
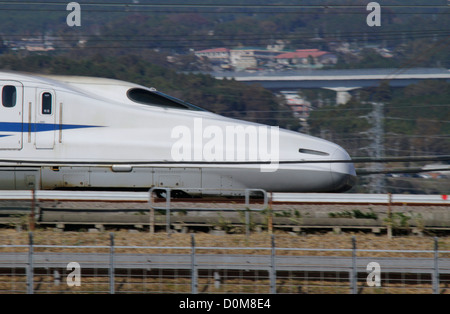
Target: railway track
290, 211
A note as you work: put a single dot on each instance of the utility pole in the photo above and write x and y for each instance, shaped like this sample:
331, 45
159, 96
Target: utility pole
378, 183
376, 148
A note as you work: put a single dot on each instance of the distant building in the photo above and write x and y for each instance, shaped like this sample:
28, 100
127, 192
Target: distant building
250, 57
306, 58
299, 106
39, 44
38, 47
215, 54
239, 58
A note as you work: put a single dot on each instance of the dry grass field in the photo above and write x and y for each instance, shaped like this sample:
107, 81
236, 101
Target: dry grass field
328, 240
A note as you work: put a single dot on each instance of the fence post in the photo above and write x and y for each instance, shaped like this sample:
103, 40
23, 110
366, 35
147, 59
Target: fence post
194, 283
436, 267
248, 209
247, 222
111, 264
33, 208
354, 273
247, 212
168, 211
30, 272
273, 271
389, 224
270, 218
152, 213
152, 209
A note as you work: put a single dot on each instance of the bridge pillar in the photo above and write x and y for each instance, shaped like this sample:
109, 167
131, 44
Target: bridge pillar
342, 94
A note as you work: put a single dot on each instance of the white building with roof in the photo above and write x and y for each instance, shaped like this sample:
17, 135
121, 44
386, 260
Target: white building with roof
220, 54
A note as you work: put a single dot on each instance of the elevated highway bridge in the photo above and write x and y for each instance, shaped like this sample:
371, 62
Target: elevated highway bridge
341, 81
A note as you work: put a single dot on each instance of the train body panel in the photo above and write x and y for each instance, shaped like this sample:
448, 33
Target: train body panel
76, 132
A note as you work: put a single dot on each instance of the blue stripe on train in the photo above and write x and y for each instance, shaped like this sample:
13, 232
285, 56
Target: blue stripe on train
38, 127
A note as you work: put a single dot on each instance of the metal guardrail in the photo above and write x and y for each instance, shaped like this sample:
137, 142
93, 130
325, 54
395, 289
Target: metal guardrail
276, 197
50, 195
361, 198
168, 206
32, 203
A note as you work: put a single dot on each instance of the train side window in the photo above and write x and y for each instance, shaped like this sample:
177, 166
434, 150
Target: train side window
154, 98
46, 103
9, 96
146, 97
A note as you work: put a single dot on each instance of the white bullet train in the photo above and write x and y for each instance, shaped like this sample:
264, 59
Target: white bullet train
68, 132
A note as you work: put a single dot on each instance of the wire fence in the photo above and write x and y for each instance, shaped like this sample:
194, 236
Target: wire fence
216, 270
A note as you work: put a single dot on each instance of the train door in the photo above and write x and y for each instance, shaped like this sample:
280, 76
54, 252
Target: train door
11, 114
45, 126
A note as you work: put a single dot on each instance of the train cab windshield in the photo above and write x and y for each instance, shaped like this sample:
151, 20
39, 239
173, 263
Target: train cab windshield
155, 98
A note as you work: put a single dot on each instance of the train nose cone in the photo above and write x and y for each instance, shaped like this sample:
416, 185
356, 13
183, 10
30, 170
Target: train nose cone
343, 174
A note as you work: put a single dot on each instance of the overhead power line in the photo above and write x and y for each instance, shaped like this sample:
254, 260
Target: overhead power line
390, 34
224, 7
228, 4
178, 11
